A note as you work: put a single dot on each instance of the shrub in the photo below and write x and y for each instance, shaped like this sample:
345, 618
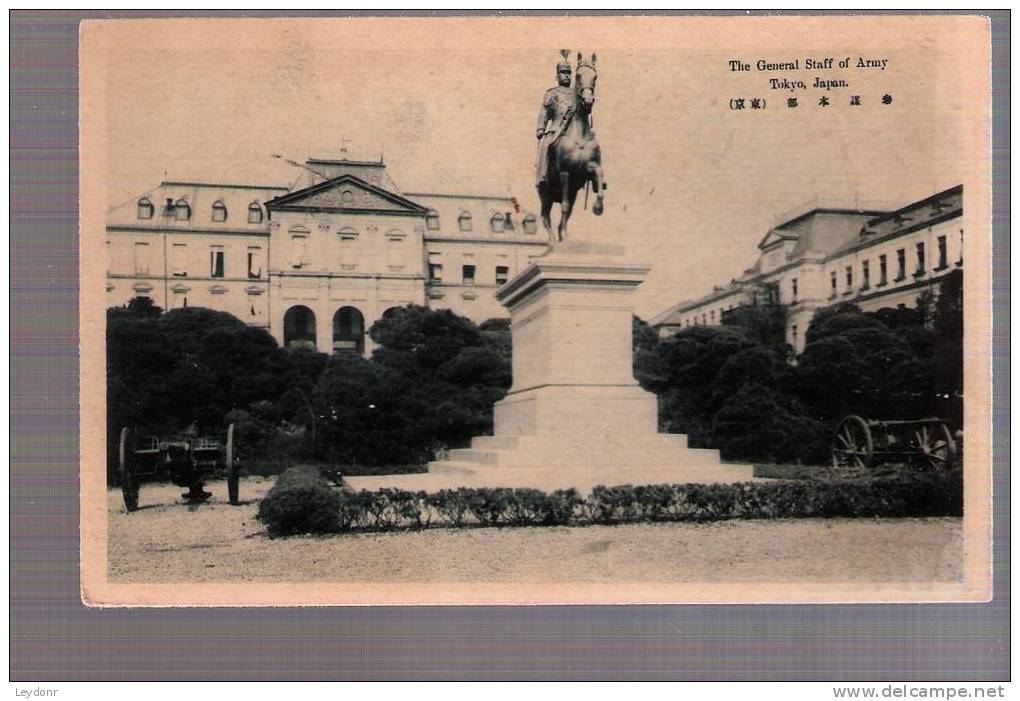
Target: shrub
302, 501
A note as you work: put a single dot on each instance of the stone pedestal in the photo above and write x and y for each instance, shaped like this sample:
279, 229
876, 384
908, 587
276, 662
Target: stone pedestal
575, 416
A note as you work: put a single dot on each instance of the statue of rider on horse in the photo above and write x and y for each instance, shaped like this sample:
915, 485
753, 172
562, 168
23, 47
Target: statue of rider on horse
569, 157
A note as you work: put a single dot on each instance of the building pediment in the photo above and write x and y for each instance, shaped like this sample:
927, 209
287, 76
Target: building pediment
346, 193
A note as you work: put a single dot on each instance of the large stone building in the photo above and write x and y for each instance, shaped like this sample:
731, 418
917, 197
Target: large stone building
824, 254
317, 263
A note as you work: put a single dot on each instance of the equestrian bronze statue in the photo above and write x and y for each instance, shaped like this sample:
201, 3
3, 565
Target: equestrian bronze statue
569, 157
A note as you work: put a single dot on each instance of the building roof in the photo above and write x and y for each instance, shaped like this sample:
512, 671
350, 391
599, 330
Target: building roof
176, 183
200, 197
317, 170
482, 208
931, 210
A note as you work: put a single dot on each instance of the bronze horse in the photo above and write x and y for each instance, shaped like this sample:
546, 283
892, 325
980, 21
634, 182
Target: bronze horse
575, 158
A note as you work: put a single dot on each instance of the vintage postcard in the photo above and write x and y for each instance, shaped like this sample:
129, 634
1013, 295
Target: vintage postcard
535, 310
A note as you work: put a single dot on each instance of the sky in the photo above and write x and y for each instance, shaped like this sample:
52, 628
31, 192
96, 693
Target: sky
451, 106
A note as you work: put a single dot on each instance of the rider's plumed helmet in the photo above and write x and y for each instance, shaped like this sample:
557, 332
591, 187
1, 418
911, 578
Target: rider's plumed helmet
564, 63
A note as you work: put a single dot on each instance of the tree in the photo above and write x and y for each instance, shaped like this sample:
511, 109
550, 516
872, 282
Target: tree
188, 367
417, 339
758, 422
949, 307
138, 308
686, 367
452, 372
726, 388
645, 343
762, 322
369, 414
947, 354
854, 364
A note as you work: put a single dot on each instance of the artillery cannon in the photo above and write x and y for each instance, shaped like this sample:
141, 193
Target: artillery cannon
865, 443
185, 460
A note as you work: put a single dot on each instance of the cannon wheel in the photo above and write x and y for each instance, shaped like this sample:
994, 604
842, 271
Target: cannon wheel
126, 470
853, 444
935, 444
233, 468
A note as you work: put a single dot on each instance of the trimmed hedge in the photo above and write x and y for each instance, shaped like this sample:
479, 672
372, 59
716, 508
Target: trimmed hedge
302, 501
901, 495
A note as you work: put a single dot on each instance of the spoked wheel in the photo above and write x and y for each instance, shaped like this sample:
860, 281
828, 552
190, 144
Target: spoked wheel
935, 445
852, 445
233, 468
126, 472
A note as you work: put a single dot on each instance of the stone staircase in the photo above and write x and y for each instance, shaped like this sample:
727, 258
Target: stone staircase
489, 453
540, 462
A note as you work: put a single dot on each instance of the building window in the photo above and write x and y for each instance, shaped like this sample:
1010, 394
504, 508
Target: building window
145, 208
502, 274
793, 336
497, 223
254, 262
704, 318
298, 250
219, 211
395, 251
179, 260
348, 249
832, 283
254, 213
793, 290
255, 307
432, 220
464, 221
865, 275
141, 259
216, 261
901, 264
849, 278
435, 267
299, 328
920, 260
711, 316
468, 274
883, 270
348, 330
182, 210
943, 254
959, 261
529, 224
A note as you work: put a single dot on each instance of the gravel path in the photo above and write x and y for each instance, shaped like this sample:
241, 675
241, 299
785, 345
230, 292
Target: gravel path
168, 541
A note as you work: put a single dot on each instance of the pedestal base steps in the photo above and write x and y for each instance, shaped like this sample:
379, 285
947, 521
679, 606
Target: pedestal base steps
548, 463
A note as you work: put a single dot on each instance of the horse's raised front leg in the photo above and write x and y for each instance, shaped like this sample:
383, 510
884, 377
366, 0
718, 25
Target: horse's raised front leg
566, 205
595, 174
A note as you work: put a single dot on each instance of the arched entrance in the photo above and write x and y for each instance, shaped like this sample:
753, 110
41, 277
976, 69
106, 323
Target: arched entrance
299, 328
348, 330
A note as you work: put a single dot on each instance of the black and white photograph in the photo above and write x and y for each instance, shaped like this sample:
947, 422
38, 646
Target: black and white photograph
535, 310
